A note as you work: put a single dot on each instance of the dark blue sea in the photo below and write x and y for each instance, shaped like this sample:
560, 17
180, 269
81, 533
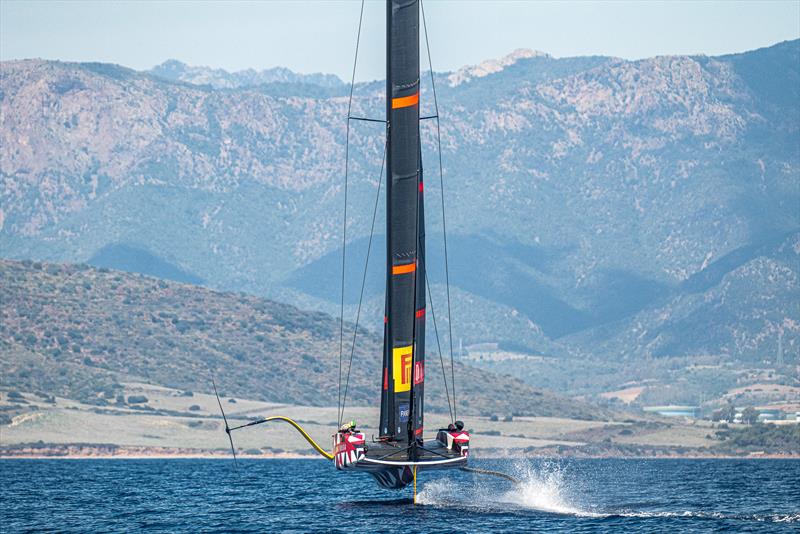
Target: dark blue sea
310, 496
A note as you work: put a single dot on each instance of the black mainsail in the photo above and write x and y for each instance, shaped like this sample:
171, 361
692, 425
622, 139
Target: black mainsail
399, 450
404, 323
394, 456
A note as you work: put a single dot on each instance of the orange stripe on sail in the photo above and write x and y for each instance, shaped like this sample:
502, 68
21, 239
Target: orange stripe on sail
404, 269
405, 101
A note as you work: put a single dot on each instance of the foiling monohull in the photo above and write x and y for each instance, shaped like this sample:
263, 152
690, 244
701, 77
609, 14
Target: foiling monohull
400, 449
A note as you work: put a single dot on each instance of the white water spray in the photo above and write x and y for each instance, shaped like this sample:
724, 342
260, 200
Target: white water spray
543, 487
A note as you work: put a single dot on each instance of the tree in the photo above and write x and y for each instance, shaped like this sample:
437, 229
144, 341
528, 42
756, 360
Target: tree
726, 413
750, 415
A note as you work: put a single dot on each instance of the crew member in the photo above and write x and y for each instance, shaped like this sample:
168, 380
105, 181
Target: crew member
348, 427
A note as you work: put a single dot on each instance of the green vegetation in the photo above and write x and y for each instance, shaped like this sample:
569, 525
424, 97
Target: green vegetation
761, 437
79, 332
750, 415
726, 413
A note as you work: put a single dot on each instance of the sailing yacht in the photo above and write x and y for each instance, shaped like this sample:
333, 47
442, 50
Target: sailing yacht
400, 449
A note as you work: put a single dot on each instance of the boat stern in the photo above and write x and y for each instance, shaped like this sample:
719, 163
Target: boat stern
456, 441
348, 448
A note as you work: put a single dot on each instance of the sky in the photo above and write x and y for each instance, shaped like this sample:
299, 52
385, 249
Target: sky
319, 36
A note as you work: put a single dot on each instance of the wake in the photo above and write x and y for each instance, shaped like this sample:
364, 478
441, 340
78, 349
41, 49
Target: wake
545, 488
761, 518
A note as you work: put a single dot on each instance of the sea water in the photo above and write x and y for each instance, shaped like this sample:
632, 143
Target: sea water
310, 496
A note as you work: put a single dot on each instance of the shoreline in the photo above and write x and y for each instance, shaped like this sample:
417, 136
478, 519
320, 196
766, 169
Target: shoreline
111, 452
122, 457
199, 456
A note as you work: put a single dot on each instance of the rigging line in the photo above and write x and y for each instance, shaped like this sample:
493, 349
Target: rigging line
366, 119
438, 344
393, 453
433, 451
444, 219
364, 280
227, 427
344, 218
429, 117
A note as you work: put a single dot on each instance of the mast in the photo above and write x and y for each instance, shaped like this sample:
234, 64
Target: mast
404, 322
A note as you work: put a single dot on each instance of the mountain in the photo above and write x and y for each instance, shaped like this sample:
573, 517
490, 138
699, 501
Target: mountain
175, 70
597, 208
79, 332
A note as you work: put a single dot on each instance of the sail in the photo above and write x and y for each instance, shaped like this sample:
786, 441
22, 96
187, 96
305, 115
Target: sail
404, 323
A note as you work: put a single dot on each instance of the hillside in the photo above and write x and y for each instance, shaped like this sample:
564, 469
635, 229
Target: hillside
80, 333
600, 210
221, 79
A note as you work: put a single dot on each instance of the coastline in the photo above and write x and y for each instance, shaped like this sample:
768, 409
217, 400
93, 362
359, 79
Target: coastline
114, 452
80, 451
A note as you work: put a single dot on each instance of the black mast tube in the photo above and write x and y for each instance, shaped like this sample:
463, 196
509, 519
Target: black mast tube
402, 366
387, 423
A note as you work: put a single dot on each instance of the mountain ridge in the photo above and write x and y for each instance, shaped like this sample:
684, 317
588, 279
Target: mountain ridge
175, 70
588, 188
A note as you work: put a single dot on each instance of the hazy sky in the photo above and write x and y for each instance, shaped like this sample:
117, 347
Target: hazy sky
319, 36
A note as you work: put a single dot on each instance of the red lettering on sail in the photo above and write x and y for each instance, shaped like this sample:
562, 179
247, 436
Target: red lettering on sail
406, 368
419, 373
401, 368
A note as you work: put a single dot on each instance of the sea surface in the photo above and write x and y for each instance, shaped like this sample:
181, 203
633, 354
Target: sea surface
310, 496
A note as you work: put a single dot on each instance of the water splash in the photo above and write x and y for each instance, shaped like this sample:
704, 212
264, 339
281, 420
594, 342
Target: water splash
543, 487
443, 492
547, 487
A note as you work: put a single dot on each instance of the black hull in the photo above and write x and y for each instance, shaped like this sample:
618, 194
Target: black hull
393, 466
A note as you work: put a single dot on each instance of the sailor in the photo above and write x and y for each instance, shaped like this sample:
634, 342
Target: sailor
459, 425
348, 427
451, 427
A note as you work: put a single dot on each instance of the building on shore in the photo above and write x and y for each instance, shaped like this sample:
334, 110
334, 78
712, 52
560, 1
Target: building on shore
674, 411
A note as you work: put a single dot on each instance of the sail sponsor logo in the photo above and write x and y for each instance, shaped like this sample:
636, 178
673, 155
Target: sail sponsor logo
401, 370
419, 372
404, 412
